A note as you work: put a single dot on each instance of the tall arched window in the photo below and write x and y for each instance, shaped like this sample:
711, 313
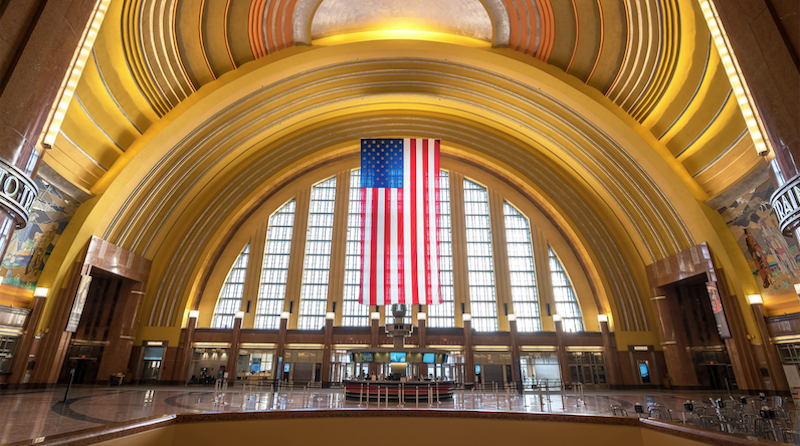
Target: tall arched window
564, 295
483, 300
230, 297
317, 264
275, 267
443, 315
354, 314
520, 265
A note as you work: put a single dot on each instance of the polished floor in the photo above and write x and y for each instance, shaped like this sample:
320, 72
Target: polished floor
30, 414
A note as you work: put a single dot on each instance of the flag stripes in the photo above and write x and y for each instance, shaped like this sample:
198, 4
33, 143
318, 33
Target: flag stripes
399, 222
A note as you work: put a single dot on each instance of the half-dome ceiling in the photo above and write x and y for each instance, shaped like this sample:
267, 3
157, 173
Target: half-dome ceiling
466, 18
651, 60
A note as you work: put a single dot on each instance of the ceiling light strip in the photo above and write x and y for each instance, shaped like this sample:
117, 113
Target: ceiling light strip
73, 74
740, 89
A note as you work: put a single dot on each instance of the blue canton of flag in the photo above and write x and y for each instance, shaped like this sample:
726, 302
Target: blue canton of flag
382, 163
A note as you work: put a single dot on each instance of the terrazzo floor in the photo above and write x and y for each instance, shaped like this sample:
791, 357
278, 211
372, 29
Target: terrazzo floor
28, 414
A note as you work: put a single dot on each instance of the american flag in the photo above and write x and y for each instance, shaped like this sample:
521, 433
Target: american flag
400, 221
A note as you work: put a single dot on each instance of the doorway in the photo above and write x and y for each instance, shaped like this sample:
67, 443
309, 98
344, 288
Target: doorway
693, 305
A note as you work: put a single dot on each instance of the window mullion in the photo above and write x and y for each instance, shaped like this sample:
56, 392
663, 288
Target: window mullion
543, 281
339, 245
459, 237
502, 274
294, 279
252, 281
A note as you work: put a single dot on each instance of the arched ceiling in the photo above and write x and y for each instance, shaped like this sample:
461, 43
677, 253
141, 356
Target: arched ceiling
653, 58
195, 176
616, 115
334, 17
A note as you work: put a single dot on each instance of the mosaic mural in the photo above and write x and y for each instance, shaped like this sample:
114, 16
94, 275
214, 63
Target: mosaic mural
772, 257
31, 247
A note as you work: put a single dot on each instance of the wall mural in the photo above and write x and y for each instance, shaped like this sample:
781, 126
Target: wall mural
31, 247
772, 257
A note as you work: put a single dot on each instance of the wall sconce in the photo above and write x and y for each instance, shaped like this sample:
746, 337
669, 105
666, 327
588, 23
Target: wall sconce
239, 315
375, 316
40, 291
602, 318
512, 317
556, 318
797, 288
285, 315
755, 299
421, 316
466, 317
194, 314
330, 316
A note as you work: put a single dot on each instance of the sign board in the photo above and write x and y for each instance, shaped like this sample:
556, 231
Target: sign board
80, 302
17, 193
719, 313
786, 202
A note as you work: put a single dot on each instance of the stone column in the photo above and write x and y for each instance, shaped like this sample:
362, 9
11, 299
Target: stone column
422, 331
327, 351
280, 347
776, 374
374, 340
186, 351
23, 353
561, 351
610, 352
54, 345
676, 348
39, 40
469, 355
233, 353
758, 32
515, 355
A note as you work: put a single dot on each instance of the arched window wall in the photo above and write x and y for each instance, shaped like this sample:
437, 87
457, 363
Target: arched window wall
525, 292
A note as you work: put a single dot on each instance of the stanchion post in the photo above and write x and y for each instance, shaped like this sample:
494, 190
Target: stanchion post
473, 398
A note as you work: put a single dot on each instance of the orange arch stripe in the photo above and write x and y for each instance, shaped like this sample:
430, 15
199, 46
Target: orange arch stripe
548, 30
602, 39
276, 17
577, 36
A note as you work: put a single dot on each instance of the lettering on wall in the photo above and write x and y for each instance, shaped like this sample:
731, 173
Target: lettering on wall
786, 202
17, 193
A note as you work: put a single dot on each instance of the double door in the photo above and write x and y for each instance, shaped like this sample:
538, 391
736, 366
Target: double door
588, 374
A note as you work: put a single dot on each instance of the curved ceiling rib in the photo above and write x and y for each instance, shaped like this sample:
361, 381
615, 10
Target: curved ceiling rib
651, 57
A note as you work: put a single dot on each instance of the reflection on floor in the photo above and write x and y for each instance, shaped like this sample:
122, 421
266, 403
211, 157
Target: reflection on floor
35, 413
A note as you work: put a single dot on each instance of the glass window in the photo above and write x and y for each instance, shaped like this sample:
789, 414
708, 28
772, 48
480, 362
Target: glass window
564, 295
317, 264
520, 265
275, 267
354, 314
230, 297
443, 315
483, 300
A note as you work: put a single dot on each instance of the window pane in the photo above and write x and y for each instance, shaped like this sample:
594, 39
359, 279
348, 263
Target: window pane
523, 276
230, 296
483, 301
564, 295
275, 267
354, 314
317, 263
443, 314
